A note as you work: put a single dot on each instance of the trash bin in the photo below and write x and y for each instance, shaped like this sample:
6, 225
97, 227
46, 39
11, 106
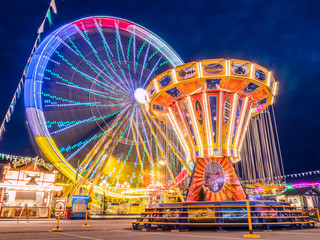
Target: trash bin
68, 213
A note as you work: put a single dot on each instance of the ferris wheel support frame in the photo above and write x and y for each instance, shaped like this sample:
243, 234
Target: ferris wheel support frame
137, 148
100, 154
143, 144
168, 142
165, 160
115, 139
146, 150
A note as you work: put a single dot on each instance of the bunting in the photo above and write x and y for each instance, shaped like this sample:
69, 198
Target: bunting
17, 161
295, 175
41, 28
10, 111
53, 6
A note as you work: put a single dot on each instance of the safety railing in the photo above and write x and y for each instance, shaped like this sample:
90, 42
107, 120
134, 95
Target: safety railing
219, 215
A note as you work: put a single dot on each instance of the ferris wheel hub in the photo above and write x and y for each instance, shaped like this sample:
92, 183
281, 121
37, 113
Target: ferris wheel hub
140, 95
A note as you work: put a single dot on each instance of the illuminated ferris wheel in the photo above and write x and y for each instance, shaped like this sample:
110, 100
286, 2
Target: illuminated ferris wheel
82, 94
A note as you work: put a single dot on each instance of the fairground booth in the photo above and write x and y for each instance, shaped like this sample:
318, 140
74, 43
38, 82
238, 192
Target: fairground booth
305, 197
27, 188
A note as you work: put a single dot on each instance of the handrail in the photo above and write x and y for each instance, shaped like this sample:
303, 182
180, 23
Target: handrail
217, 206
212, 217
260, 223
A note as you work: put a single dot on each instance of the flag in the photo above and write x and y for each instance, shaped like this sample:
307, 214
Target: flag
53, 6
49, 17
41, 28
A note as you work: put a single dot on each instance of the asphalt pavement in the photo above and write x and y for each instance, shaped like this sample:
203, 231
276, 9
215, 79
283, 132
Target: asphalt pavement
121, 229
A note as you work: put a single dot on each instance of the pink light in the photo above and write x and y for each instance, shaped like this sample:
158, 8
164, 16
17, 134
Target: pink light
306, 184
259, 108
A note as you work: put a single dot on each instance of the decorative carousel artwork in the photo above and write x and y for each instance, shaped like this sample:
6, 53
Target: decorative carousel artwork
240, 69
214, 177
199, 113
218, 179
213, 68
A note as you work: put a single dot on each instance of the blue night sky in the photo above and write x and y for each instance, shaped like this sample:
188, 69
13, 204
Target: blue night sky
283, 36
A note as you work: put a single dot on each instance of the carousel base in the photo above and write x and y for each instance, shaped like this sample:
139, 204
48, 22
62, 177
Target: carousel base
220, 215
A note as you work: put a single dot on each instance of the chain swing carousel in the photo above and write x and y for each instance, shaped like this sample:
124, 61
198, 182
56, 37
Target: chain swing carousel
209, 104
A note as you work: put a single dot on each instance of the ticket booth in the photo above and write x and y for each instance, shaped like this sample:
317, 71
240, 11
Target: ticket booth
305, 198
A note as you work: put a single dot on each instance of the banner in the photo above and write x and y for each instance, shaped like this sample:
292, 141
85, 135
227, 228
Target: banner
79, 206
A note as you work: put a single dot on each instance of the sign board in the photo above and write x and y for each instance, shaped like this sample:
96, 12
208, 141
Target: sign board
60, 202
79, 206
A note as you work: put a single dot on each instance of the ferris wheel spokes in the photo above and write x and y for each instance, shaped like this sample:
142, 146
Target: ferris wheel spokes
106, 156
142, 142
99, 156
118, 121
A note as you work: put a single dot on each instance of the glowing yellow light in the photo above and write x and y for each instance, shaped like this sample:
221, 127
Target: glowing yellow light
220, 121
275, 90
156, 85
178, 132
269, 79
199, 69
243, 115
185, 127
227, 67
195, 126
162, 163
245, 129
174, 76
252, 70
208, 126
235, 97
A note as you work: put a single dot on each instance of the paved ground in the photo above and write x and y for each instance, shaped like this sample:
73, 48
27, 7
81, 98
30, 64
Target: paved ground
121, 229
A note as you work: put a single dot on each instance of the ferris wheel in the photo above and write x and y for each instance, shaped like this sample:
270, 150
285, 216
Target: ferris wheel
83, 90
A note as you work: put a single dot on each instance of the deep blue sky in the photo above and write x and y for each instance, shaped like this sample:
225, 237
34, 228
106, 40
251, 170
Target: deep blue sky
283, 36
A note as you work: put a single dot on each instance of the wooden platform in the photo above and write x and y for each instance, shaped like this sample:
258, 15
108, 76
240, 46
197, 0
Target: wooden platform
178, 216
